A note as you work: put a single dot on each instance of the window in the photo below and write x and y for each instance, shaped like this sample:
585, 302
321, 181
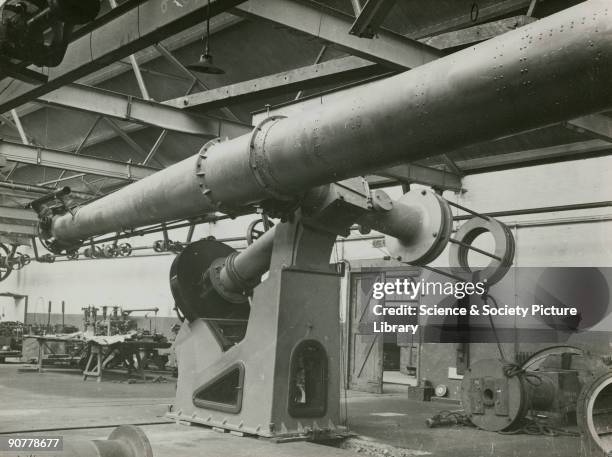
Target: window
308, 380
223, 393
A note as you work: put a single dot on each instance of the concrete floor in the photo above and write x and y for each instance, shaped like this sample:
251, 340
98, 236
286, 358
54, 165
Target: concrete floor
388, 424
395, 377
399, 422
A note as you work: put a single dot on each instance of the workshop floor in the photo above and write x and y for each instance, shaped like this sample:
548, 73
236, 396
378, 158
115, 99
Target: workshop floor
387, 424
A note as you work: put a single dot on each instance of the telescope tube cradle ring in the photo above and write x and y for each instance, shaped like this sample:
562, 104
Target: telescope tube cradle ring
504, 250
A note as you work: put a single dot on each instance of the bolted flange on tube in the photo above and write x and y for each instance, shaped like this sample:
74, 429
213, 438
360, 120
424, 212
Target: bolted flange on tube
417, 228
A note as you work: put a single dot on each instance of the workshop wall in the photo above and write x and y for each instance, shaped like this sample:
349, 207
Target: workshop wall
580, 238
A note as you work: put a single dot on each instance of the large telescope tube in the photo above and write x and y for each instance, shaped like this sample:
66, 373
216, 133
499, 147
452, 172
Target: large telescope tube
546, 72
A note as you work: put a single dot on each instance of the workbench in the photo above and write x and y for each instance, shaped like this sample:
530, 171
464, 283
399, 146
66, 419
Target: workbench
101, 354
43, 342
6, 354
101, 349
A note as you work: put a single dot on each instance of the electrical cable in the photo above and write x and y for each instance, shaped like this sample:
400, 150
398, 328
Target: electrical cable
531, 424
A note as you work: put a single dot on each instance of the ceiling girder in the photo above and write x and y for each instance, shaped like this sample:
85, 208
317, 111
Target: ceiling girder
597, 125
412, 173
330, 72
131, 109
390, 49
531, 156
474, 16
477, 33
45, 157
143, 26
371, 17
18, 214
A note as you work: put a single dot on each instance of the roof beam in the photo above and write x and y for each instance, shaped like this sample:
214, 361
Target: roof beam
131, 109
531, 156
146, 55
449, 181
478, 33
143, 26
390, 49
19, 198
18, 214
330, 72
30, 188
19, 230
33, 155
17, 225
9, 69
484, 14
597, 125
411, 173
371, 17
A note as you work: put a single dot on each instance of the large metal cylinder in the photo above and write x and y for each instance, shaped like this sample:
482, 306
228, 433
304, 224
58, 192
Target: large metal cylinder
546, 72
241, 271
595, 417
418, 226
124, 441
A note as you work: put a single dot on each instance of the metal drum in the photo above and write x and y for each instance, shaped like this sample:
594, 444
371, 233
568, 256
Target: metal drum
491, 400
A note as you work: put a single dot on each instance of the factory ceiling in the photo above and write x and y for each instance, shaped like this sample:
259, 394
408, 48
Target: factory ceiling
273, 53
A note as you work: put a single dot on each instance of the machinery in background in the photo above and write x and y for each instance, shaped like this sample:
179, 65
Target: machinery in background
141, 348
38, 31
124, 441
11, 339
11, 260
114, 320
49, 329
555, 389
109, 332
